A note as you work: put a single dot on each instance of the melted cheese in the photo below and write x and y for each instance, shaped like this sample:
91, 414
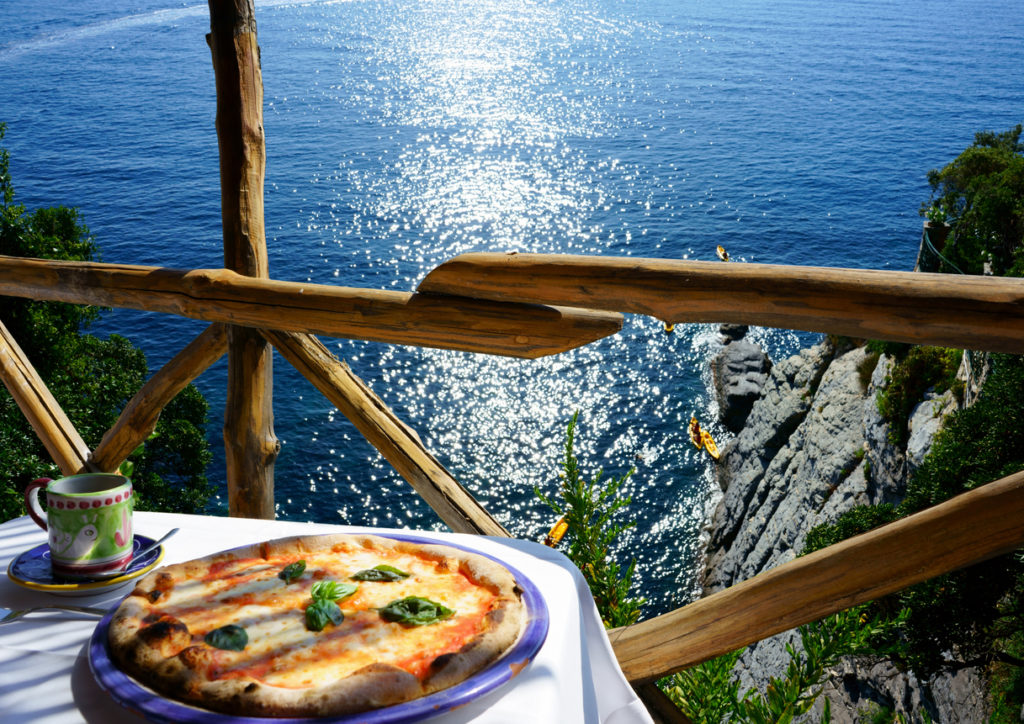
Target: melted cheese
283, 652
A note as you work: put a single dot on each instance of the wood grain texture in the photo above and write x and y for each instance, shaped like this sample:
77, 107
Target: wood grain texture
51, 424
139, 417
967, 529
398, 443
220, 295
936, 309
250, 444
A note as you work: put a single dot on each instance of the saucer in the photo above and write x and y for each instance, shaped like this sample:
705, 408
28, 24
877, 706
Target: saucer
31, 569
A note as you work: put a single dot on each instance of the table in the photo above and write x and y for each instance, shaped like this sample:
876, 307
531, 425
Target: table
45, 676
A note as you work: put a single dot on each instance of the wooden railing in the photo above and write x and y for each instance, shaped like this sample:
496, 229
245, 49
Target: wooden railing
522, 305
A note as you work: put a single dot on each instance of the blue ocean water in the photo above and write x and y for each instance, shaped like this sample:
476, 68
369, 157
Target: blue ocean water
402, 133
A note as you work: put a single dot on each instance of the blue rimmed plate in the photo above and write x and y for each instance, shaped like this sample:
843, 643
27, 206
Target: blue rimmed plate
31, 569
155, 707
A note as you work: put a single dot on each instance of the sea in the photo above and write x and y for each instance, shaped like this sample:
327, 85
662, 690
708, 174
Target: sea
401, 133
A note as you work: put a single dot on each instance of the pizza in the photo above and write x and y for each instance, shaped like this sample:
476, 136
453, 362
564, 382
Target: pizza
316, 625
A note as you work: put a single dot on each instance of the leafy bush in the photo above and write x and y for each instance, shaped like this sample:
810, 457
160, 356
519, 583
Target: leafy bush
91, 378
588, 509
709, 693
913, 374
981, 193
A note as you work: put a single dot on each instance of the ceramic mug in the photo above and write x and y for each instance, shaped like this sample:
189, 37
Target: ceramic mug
89, 522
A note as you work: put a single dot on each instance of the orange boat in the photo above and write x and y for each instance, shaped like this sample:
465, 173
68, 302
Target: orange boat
709, 444
557, 532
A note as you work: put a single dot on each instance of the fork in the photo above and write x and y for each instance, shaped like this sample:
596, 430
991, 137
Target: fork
7, 614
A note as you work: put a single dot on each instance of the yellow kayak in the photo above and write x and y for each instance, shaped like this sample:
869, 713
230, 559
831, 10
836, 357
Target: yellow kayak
722, 253
709, 444
557, 532
696, 436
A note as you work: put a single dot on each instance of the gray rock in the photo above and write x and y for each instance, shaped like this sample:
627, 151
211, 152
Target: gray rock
926, 420
886, 462
732, 332
739, 372
814, 445
860, 686
761, 446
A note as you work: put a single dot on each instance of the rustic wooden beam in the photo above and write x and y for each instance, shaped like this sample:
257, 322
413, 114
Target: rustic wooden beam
661, 708
251, 446
968, 312
967, 529
220, 295
51, 424
139, 417
394, 439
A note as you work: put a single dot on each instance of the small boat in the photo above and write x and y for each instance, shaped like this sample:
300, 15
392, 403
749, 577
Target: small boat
696, 436
709, 444
557, 532
669, 328
722, 253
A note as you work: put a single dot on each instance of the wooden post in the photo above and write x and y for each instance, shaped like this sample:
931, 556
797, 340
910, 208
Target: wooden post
251, 447
398, 443
52, 426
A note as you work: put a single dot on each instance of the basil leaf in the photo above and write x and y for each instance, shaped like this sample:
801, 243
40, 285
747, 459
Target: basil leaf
230, 638
292, 571
415, 611
332, 590
322, 612
383, 572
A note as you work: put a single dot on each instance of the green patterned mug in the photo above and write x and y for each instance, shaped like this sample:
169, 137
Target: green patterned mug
89, 521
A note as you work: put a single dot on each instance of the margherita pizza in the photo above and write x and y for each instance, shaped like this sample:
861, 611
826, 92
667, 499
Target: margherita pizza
316, 625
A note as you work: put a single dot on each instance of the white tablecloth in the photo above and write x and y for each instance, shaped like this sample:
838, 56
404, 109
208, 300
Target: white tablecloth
45, 675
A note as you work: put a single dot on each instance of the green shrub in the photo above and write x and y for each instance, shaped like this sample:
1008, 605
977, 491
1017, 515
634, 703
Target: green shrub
982, 195
589, 508
913, 374
709, 692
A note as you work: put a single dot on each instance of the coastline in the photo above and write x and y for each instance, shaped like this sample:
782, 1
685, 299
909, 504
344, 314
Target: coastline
810, 445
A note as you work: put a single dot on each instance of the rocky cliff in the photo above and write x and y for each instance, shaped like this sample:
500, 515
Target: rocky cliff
810, 444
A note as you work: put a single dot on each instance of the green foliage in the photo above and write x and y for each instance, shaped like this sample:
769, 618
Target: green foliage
981, 194
91, 378
866, 368
911, 375
589, 508
978, 444
854, 522
709, 692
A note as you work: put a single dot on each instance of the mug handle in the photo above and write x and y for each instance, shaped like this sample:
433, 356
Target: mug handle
32, 501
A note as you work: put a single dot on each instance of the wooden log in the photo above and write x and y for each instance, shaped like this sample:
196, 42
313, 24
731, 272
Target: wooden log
967, 529
661, 708
47, 418
220, 295
139, 417
968, 312
394, 439
250, 444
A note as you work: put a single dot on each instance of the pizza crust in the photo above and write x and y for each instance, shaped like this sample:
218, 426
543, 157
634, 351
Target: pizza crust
158, 649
